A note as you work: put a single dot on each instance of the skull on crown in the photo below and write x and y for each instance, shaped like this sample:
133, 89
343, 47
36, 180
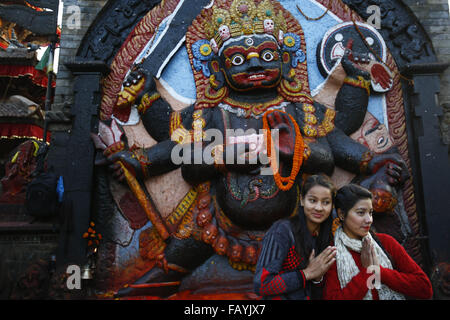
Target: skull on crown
224, 32
269, 26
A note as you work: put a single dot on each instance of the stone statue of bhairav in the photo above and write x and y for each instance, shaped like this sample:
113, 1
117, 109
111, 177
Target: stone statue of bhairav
249, 61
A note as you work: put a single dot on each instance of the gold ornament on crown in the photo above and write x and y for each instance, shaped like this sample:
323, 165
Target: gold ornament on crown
244, 17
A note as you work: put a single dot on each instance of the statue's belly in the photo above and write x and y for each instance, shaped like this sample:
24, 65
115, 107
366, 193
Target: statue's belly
254, 202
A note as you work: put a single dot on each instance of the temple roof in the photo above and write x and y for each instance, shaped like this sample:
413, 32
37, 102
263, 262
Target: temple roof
18, 56
19, 107
18, 75
21, 118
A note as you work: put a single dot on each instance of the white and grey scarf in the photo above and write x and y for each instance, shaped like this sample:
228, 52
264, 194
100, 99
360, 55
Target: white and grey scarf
347, 268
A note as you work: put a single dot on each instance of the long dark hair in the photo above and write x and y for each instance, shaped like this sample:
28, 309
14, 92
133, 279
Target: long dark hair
303, 238
347, 197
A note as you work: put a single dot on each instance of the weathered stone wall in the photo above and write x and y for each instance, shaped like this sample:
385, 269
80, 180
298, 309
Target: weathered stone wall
17, 253
21, 245
434, 17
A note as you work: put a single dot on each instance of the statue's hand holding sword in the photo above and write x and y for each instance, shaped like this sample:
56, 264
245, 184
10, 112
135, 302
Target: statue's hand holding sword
109, 141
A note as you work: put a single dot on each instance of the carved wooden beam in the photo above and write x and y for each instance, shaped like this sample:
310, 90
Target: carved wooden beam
41, 23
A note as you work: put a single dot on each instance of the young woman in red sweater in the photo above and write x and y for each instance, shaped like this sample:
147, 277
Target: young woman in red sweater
369, 266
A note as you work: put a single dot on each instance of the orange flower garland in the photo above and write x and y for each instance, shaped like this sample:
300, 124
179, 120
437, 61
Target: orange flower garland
284, 183
335, 225
92, 235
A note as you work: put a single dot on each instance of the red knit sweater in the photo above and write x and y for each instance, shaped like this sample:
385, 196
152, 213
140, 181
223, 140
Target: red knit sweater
407, 278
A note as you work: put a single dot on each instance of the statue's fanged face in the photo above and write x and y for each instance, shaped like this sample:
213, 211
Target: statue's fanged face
251, 62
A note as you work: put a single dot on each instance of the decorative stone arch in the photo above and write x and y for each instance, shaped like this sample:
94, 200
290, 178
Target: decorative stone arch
414, 57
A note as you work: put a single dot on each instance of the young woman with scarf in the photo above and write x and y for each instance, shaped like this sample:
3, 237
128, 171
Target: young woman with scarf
369, 266
296, 252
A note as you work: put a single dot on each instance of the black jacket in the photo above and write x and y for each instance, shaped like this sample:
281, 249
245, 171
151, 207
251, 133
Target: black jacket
278, 274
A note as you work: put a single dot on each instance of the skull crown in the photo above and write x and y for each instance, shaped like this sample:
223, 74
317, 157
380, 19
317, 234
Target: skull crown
243, 17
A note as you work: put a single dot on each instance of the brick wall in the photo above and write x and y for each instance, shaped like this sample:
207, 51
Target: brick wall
71, 37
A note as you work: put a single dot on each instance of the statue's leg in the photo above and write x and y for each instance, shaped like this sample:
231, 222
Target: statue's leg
182, 256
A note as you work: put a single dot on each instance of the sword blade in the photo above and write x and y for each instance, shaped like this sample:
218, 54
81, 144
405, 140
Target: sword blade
173, 36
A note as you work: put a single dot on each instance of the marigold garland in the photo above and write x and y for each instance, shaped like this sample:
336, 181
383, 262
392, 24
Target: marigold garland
284, 183
92, 235
335, 225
